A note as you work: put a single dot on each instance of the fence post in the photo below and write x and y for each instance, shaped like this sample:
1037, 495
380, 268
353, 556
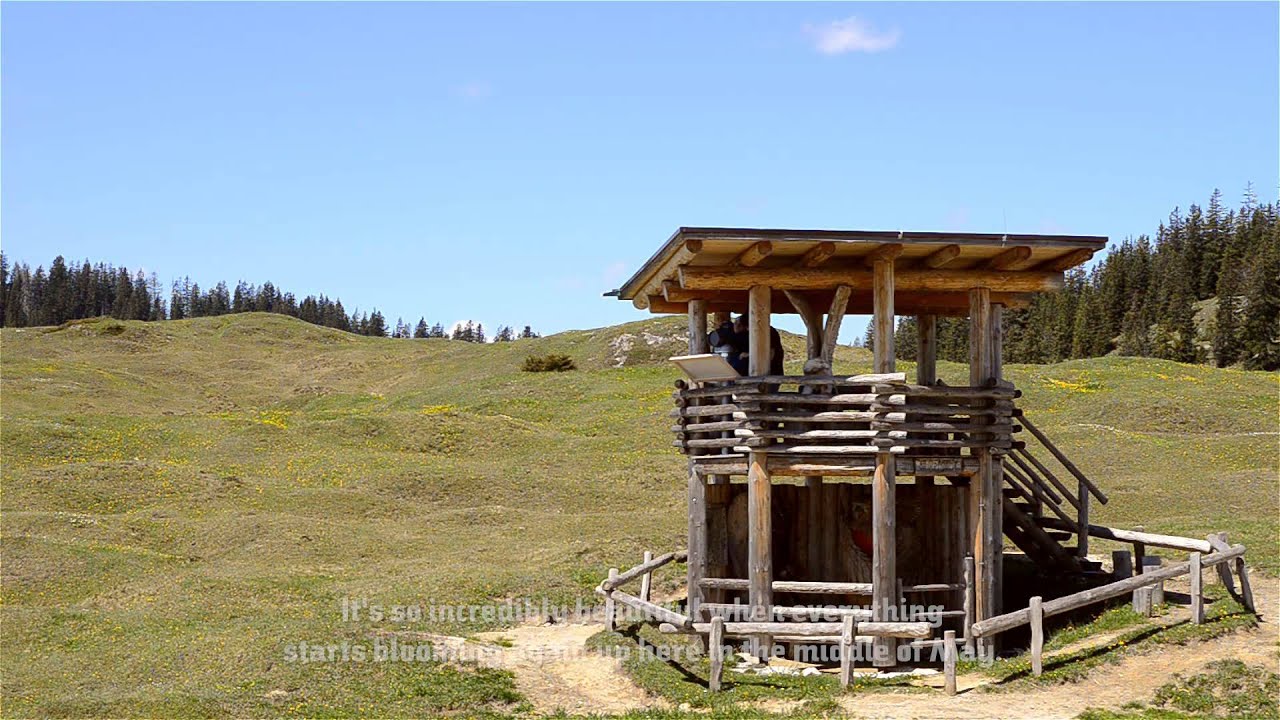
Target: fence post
1197, 597
715, 646
608, 604
847, 635
646, 581
1142, 601
949, 660
969, 602
1037, 636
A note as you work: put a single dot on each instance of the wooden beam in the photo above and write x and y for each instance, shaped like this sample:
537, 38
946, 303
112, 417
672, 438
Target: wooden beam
941, 257
888, 251
835, 316
812, 322
1066, 262
817, 255
884, 577
698, 278
1009, 259
754, 254
985, 502
759, 483
686, 252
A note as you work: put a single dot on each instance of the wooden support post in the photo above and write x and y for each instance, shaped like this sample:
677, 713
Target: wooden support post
884, 575
848, 636
985, 494
1037, 636
646, 580
949, 660
1082, 521
696, 569
759, 484
609, 609
970, 604
1121, 564
1157, 590
1197, 591
715, 646
1246, 590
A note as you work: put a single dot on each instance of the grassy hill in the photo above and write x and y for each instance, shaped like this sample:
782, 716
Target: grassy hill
181, 500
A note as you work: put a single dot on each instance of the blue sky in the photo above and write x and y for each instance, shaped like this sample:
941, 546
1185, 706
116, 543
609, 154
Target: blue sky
510, 162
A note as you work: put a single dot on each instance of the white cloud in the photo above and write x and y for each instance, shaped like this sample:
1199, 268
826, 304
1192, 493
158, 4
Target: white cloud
851, 35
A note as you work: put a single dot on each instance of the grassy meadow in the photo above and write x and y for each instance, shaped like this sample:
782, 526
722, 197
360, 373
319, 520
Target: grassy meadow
181, 500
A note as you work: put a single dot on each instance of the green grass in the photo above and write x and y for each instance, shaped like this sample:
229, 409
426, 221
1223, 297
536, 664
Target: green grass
180, 501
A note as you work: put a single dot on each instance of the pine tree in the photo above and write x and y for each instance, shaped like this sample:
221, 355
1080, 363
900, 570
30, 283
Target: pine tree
420, 330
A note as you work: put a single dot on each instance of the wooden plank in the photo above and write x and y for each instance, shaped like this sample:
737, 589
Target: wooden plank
1037, 636
825, 278
1197, 591
970, 604
754, 254
715, 646
884, 574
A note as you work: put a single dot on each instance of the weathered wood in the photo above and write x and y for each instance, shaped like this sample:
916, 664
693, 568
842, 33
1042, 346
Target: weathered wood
1047, 474
1031, 476
884, 572
1063, 459
1218, 541
949, 661
1067, 603
1172, 542
646, 580
1009, 259
1142, 604
648, 566
956, 394
817, 255
754, 254
1037, 636
984, 496
696, 557
610, 613
653, 611
715, 645
941, 257
812, 322
1197, 591
825, 278
796, 586
1246, 590
970, 604
1067, 261
835, 316
887, 252
847, 633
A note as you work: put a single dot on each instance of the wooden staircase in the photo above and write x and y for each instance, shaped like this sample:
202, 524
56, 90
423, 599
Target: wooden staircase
1042, 512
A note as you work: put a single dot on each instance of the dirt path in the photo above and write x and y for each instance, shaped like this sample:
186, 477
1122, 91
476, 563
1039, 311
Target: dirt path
1135, 677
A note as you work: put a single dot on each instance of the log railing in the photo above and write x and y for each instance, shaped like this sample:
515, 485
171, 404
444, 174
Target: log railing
841, 417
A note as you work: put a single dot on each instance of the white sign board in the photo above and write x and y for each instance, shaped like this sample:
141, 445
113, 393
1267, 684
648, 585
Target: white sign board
706, 368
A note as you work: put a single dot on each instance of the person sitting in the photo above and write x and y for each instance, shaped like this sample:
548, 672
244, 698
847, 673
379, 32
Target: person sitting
723, 342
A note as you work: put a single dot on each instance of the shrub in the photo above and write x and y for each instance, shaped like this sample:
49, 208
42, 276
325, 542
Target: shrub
548, 363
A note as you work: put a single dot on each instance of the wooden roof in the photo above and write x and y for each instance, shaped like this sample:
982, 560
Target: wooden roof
933, 271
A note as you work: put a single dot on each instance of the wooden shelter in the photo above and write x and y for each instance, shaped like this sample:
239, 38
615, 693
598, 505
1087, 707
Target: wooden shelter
757, 539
